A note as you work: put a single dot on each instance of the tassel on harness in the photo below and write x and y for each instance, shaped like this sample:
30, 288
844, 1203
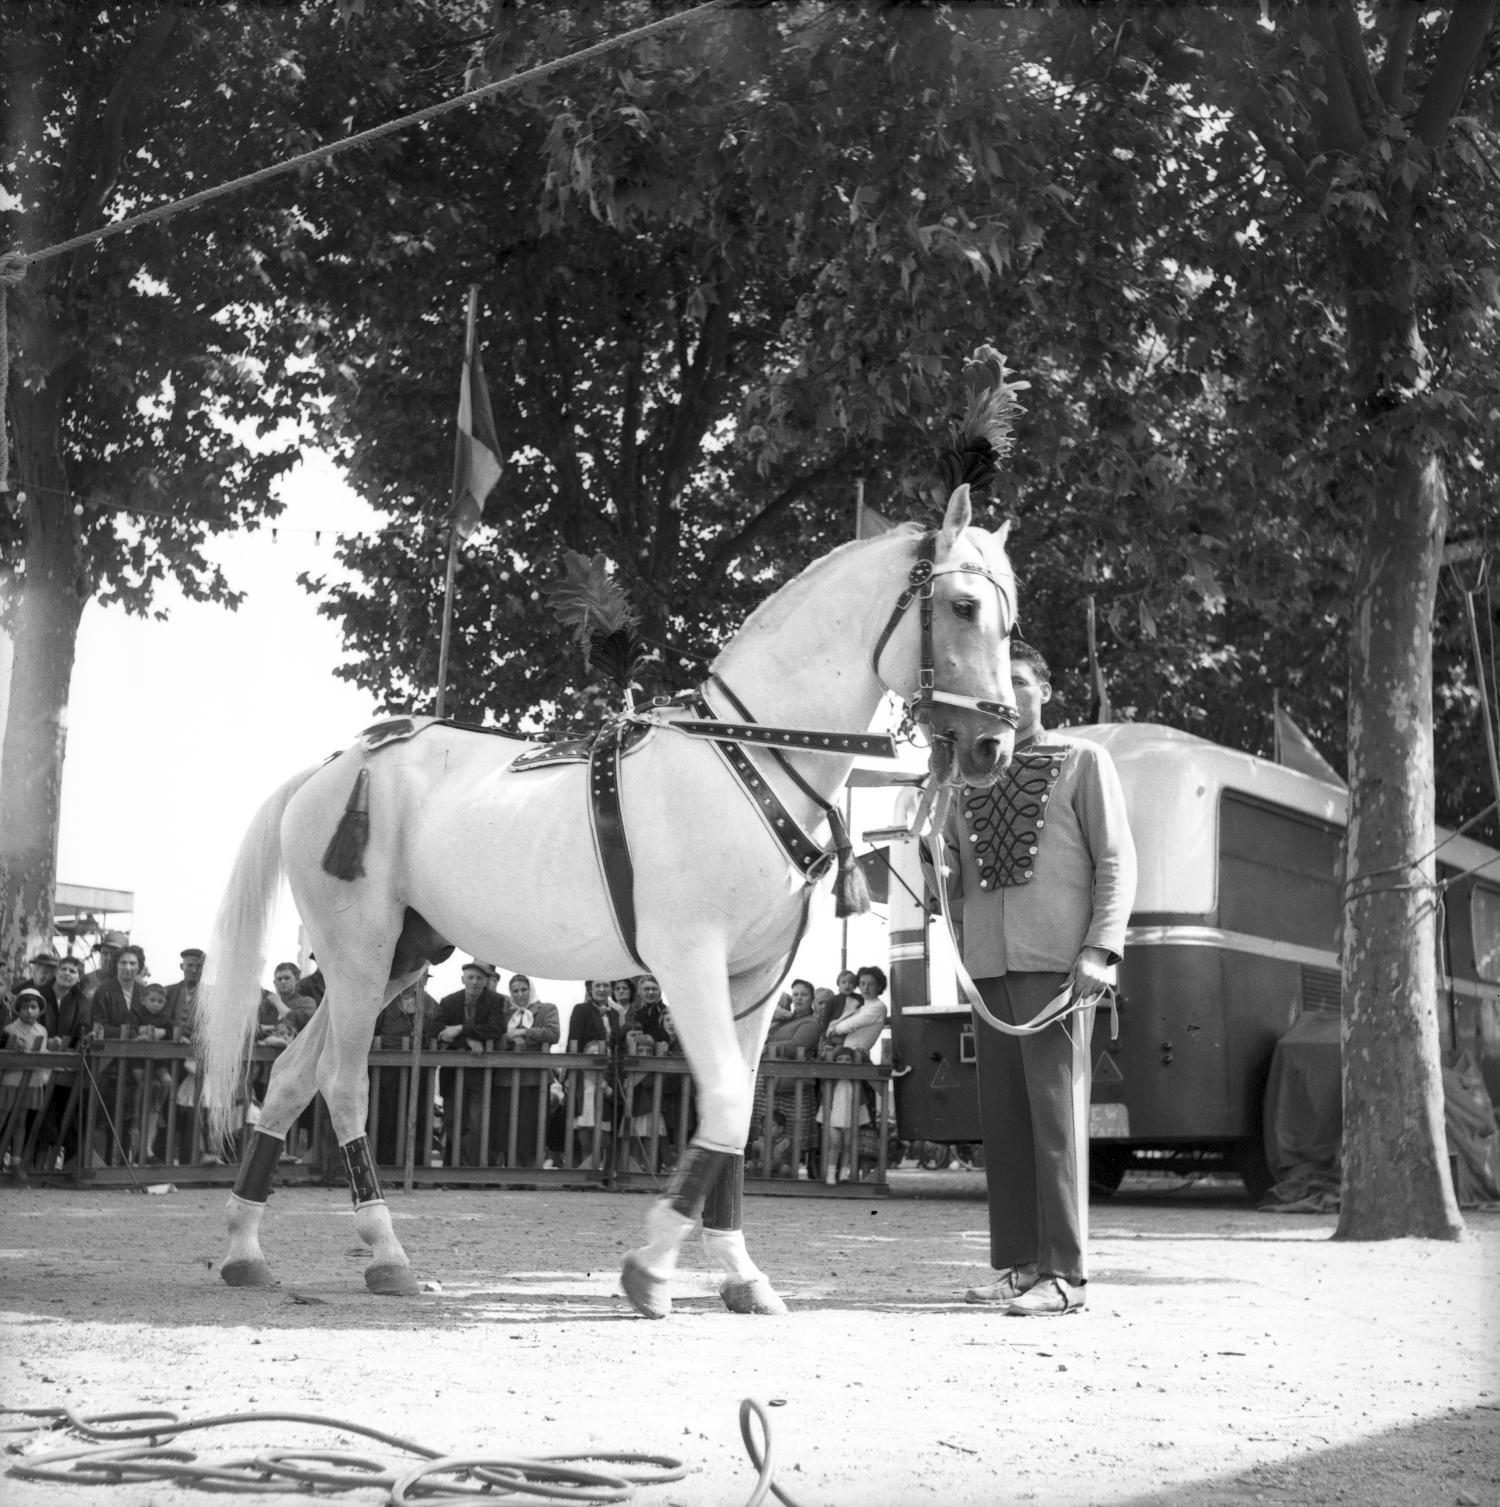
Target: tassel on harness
851, 889
344, 856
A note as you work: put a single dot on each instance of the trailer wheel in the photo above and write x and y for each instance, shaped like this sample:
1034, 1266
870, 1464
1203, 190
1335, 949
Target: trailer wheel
1108, 1164
1249, 1160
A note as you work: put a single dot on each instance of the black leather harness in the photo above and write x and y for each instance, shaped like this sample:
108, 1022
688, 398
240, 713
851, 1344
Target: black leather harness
606, 752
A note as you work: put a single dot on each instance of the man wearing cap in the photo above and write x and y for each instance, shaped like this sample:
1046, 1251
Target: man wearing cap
182, 997
1043, 877
109, 950
471, 1017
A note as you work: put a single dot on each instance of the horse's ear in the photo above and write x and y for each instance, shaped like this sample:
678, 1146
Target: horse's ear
1002, 533
959, 516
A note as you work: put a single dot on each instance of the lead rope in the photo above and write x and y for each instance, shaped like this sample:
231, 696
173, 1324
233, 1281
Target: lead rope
1059, 1007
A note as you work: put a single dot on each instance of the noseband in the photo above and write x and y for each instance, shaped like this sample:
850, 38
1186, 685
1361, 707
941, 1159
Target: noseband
919, 588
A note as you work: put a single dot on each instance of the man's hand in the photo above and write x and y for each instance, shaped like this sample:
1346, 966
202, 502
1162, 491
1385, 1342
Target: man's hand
449, 1033
1090, 975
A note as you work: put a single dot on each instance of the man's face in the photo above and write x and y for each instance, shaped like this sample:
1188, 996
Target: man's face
520, 992
1032, 694
286, 982
192, 969
474, 982
599, 991
43, 974
68, 975
650, 992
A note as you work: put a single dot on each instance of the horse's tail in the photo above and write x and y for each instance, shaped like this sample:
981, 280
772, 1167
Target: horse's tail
229, 997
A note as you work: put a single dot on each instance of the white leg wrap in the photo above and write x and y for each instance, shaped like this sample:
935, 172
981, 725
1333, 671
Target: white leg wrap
727, 1247
666, 1229
372, 1221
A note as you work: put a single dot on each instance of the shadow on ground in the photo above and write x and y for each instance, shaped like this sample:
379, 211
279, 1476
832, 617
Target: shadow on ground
1450, 1461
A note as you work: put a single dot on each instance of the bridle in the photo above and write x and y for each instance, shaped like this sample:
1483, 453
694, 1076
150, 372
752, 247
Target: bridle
920, 588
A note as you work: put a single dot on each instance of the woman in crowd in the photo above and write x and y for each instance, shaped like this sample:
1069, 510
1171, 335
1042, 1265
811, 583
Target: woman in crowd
849, 1038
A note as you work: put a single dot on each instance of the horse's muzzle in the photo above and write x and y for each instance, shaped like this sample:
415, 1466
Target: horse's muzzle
983, 760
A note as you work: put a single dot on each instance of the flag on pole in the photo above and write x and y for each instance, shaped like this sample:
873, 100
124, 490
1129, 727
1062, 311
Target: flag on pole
476, 456
1292, 748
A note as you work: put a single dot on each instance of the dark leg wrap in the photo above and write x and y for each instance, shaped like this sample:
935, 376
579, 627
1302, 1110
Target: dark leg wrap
724, 1208
697, 1172
258, 1166
364, 1185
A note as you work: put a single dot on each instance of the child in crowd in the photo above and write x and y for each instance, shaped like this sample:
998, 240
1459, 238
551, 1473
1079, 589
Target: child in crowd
151, 1020
19, 1105
780, 1163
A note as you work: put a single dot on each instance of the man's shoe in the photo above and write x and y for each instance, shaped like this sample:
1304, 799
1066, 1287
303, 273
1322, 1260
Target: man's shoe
1047, 1296
1009, 1287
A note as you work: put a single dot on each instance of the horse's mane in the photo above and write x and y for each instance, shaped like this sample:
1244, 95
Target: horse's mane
774, 610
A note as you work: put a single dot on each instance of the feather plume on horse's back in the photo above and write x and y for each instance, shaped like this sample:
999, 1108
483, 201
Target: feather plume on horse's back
592, 603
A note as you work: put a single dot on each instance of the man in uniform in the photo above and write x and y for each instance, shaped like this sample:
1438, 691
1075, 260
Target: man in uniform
1042, 877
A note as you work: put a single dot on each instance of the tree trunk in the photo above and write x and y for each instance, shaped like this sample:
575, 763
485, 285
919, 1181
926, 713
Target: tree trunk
45, 634
1395, 1179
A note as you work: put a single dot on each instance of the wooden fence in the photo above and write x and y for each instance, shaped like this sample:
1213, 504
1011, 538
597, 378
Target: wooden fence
127, 1113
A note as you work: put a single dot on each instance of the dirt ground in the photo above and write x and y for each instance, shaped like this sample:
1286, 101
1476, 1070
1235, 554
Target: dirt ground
1226, 1356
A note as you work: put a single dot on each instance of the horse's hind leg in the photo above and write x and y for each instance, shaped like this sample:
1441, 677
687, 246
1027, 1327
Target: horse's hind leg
345, 1082
294, 1081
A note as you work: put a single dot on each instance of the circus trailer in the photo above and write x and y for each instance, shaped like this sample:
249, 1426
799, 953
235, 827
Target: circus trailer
1234, 936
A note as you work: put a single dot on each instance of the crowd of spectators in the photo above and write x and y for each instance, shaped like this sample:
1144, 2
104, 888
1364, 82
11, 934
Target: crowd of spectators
842, 1024
63, 1004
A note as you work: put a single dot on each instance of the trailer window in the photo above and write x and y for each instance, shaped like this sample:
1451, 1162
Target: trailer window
1484, 924
1278, 874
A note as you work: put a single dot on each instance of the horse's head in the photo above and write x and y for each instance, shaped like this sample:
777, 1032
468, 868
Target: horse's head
960, 674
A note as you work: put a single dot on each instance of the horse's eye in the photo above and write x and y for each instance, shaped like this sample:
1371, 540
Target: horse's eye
966, 607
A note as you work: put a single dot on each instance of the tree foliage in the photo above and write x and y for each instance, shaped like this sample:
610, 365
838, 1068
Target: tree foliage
133, 361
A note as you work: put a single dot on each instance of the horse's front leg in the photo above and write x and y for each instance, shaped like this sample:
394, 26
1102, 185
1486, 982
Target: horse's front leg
344, 1079
709, 1181
745, 1288
293, 1082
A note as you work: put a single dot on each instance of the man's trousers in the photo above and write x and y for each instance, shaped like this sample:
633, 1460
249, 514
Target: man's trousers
1034, 1114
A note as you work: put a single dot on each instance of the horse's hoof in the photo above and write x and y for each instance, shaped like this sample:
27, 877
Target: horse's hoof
646, 1294
254, 1273
392, 1281
756, 1295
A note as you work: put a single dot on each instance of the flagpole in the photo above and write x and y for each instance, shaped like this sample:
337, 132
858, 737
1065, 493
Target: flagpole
1275, 726
442, 685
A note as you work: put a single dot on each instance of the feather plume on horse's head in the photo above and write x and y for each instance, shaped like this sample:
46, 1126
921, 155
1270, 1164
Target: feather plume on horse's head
984, 438
589, 601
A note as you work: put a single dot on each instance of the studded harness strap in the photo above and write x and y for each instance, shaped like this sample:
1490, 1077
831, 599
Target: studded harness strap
809, 857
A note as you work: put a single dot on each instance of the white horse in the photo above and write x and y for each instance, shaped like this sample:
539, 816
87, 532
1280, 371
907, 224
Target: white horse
719, 906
